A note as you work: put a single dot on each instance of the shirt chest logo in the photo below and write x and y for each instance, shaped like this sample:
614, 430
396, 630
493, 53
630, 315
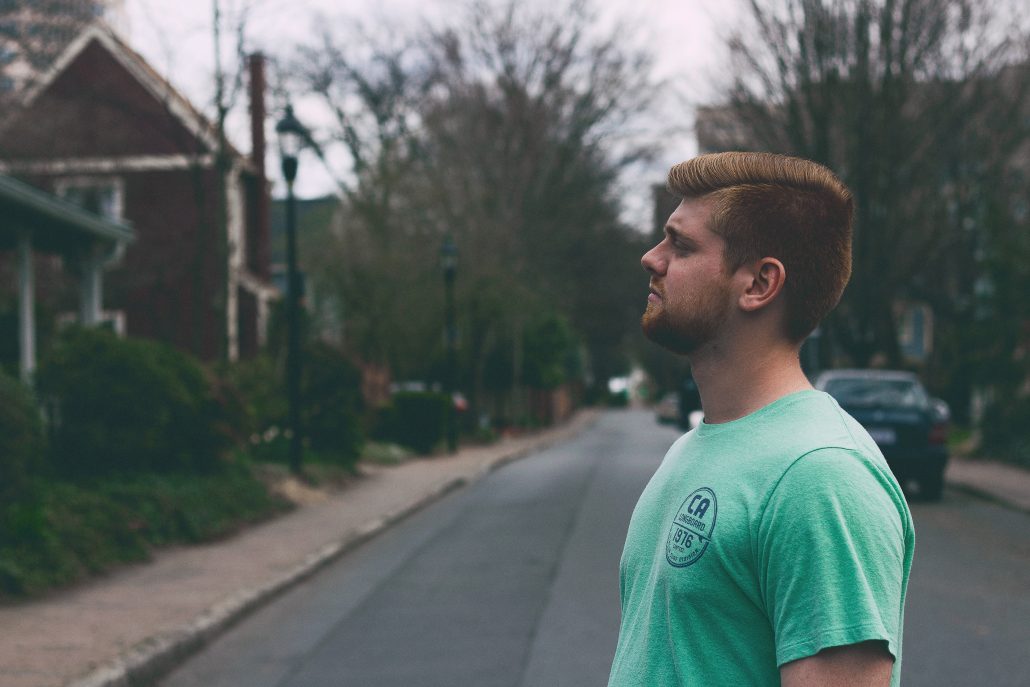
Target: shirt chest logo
692, 528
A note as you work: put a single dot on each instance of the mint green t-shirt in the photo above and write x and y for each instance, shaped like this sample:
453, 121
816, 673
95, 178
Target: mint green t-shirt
761, 541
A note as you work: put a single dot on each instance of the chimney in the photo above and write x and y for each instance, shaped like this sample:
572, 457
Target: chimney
260, 229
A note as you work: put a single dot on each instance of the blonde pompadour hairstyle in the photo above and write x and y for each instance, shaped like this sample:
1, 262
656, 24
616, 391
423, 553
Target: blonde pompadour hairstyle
768, 205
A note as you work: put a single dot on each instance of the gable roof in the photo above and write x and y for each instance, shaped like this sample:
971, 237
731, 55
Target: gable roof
134, 63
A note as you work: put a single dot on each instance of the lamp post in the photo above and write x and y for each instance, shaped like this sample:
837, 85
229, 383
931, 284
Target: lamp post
449, 263
292, 136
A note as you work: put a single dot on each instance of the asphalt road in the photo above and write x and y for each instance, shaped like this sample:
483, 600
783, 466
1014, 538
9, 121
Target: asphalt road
514, 582
511, 582
967, 618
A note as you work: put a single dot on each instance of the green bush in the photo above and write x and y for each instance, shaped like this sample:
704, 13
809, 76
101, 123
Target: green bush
82, 528
1004, 431
128, 406
260, 384
417, 420
21, 440
22, 455
551, 353
331, 405
618, 399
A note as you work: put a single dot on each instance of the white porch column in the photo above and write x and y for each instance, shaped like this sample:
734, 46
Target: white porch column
235, 236
92, 289
26, 308
262, 299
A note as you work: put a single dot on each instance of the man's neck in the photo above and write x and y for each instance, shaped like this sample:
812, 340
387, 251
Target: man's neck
736, 381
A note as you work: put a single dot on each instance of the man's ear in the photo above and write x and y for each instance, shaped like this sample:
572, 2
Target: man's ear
763, 281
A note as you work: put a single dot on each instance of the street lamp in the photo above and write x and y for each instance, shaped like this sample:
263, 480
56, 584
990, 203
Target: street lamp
449, 263
292, 137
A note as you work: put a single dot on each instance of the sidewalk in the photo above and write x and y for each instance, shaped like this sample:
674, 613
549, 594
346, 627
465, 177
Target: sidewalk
1006, 484
130, 626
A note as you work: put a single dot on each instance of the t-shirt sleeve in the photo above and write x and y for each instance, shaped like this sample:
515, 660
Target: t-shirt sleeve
831, 554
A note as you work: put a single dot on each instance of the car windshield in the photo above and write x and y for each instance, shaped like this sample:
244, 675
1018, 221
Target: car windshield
894, 393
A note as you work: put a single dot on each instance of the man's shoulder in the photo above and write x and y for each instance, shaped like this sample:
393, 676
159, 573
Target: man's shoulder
759, 449
807, 422
826, 440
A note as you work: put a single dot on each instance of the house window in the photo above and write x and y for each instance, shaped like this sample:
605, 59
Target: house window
103, 196
915, 330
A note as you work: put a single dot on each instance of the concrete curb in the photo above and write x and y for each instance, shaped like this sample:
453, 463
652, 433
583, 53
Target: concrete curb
987, 495
156, 656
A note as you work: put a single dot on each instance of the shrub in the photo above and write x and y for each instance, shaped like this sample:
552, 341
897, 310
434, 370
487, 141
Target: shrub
22, 453
123, 406
86, 528
21, 439
331, 405
551, 353
417, 419
1004, 431
617, 399
260, 385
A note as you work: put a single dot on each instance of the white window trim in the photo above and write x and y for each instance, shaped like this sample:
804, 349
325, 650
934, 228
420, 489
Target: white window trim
101, 165
62, 185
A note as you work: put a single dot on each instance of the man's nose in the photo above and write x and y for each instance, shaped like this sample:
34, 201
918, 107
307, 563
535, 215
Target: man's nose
653, 262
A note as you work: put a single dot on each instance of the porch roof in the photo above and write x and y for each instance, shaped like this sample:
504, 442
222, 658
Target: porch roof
55, 225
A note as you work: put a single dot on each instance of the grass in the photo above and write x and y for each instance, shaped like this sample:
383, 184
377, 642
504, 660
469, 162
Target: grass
380, 453
960, 439
965, 442
69, 531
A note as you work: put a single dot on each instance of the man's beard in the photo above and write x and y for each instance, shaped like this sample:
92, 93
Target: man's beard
692, 331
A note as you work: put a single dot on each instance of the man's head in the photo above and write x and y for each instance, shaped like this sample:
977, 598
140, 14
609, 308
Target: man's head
752, 210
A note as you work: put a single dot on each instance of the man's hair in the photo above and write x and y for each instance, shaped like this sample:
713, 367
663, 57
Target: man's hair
767, 205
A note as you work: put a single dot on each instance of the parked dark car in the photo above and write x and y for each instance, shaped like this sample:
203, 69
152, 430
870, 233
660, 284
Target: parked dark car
909, 426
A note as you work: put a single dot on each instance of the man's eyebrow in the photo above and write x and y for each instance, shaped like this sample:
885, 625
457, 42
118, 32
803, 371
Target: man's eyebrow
679, 236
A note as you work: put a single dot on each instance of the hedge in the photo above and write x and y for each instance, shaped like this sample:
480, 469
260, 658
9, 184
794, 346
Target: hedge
120, 406
331, 405
22, 445
417, 420
78, 529
22, 454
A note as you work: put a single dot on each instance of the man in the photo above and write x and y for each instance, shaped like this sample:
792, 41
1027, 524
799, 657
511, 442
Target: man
773, 545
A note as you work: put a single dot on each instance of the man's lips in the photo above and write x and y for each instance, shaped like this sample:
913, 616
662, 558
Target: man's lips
653, 294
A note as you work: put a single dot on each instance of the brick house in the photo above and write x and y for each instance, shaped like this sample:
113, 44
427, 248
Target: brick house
103, 130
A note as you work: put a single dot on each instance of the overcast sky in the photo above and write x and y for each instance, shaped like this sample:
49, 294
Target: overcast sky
175, 36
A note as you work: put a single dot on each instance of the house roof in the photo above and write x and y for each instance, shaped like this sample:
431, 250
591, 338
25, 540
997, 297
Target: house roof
134, 63
55, 224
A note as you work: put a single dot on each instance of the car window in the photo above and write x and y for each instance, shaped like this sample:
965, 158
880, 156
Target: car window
895, 393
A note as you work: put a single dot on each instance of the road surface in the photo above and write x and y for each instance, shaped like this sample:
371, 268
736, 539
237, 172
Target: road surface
513, 582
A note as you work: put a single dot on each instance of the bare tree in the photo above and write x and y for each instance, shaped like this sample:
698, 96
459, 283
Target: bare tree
522, 119
918, 104
498, 127
380, 264
228, 88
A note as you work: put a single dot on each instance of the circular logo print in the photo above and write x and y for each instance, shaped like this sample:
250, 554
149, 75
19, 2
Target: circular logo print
692, 528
